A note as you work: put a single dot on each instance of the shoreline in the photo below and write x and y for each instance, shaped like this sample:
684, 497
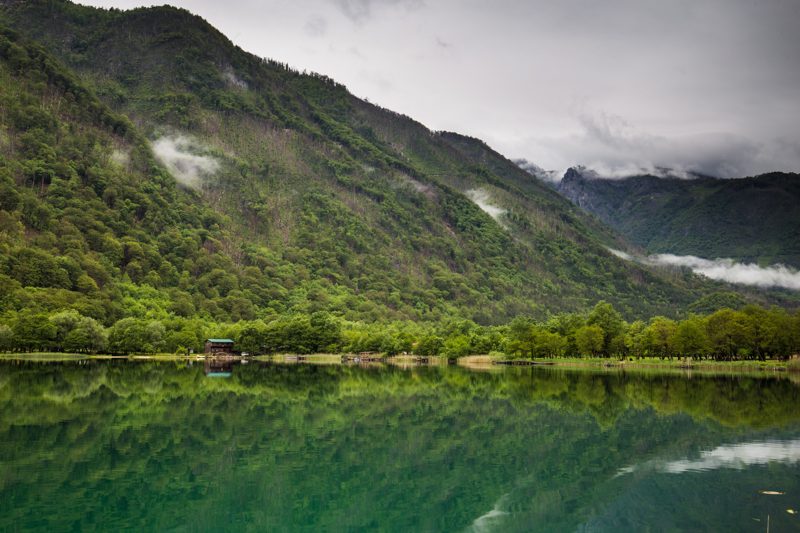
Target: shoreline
472, 362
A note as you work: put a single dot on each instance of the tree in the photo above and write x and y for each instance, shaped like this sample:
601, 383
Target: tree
610, 322
457, 346
6, 338
520, 340
660, 336
730, 334
691, 339
88, 335
429, 345
131, 335
33, 331
589, 339
547, 344
635, 339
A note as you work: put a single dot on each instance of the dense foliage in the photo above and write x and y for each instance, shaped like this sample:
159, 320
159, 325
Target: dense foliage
292, 196
755, 219
727, 334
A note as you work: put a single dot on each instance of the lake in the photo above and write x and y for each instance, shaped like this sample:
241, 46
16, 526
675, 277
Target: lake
172, 446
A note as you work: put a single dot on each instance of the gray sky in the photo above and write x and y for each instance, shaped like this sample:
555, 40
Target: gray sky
704, 85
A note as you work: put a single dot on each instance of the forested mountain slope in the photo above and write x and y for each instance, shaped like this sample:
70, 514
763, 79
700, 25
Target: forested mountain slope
292, 196
755, 219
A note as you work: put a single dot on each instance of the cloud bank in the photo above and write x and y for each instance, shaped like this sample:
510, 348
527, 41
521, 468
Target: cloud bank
179, 153
613, 148
724, 269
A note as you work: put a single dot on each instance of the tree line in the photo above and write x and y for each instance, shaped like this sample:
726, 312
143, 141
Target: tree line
751, 333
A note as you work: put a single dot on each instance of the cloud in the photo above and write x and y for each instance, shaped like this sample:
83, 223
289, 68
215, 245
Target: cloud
179, 153
360, 11
724, 269
733, 272
442, 43
233, 80
613, 147
481, 198
535, 170
737, 456
316, 26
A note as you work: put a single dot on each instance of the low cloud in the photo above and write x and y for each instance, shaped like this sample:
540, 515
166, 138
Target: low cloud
183, 158
234, 80
737, 456
535, 170
481, 199
724, 269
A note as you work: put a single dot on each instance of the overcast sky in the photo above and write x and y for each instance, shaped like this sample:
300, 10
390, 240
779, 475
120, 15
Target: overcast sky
705, 85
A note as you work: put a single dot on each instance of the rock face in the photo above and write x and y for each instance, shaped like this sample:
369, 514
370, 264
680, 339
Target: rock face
576, 187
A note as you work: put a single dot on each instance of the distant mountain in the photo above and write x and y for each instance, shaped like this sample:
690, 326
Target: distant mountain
151, 168
754, 219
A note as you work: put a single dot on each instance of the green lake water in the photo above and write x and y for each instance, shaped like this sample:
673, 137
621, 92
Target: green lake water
154, 446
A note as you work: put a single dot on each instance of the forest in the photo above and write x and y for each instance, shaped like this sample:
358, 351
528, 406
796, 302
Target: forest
751, 333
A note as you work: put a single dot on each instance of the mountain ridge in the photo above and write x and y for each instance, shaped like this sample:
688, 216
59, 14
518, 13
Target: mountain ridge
319, 201
753, 219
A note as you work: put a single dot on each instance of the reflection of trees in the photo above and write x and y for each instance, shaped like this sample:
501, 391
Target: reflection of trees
309, 446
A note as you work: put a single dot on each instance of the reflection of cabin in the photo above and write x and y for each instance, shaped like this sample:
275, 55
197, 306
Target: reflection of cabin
218, 368
219, 347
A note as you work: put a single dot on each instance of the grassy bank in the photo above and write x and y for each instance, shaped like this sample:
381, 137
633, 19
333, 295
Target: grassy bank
476, 362
770, 365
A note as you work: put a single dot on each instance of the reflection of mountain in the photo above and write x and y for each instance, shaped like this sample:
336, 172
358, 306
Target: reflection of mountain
154, 446
737, 485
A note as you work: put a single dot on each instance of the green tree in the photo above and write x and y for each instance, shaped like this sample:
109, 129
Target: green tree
730, 334
610, 322
660, 337
691, 339
589, 339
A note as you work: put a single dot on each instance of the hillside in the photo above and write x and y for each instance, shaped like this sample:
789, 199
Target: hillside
755, 219
152, 168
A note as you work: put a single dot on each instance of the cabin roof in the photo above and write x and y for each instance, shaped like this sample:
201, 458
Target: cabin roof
221, 341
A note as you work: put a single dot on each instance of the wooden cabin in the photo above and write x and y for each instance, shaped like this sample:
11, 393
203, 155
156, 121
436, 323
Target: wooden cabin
219, 347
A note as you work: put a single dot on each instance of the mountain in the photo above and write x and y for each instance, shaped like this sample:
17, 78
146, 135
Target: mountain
754, 219
152, 168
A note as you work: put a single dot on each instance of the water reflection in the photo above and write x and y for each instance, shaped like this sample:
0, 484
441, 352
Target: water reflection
159, 446
736, 456
218, 367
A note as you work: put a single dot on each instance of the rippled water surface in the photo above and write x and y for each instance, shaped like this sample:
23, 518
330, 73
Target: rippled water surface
146, 446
